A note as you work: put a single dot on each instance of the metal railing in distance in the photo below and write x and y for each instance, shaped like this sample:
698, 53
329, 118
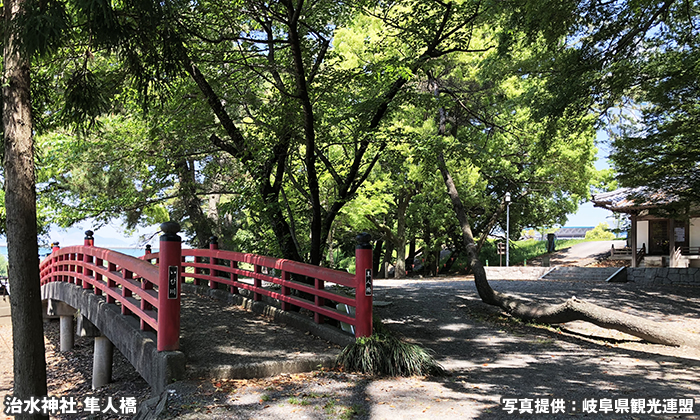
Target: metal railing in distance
290, 282
641, 252
690, 250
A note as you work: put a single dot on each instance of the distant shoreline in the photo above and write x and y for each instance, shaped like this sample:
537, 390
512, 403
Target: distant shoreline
128, 250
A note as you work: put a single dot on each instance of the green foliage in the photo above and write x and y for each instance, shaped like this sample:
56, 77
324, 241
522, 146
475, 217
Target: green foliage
656, 144
636, 64
604, 180
3, 265
296, 160
86, 97
600, 233
384, 354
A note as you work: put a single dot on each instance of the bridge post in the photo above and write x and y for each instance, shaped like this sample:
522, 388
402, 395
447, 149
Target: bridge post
102, 362
54, 248
213, 244
89, 241
66, 332
169, 267
65, 313
364, 291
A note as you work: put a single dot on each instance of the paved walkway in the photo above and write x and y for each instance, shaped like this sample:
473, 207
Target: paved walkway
581, 254
222, 340
490, 364
5, 310
491, 359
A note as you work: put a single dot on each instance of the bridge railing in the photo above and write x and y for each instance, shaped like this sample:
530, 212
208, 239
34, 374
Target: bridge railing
326, 293
110, 274
149, 287
129, 282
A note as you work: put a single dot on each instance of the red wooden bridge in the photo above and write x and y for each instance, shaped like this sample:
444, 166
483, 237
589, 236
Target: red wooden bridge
98, 281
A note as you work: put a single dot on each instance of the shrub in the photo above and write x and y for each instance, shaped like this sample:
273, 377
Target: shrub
385, 354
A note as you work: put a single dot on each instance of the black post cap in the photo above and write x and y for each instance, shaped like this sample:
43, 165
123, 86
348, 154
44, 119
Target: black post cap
170, 230
214, 240
88, 234
170, 227
363, 241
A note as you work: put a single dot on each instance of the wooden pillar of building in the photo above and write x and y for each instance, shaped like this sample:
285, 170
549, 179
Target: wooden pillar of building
633, 241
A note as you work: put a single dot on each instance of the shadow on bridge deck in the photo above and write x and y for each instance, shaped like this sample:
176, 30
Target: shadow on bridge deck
223, 340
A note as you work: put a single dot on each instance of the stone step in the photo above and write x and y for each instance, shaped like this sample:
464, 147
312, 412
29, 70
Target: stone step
591, 274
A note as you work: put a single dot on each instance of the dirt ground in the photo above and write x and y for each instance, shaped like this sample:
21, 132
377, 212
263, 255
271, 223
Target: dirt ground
499, 368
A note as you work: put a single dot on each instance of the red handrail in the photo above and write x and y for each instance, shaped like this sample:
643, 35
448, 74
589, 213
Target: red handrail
134, 283
224, 267
122, 279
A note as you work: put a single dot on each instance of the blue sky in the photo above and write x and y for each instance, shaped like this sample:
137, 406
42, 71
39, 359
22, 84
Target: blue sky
111, 235
588, 215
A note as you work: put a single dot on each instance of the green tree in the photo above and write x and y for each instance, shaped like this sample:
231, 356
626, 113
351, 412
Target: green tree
595, 45
600, 233
302, 125
657, 145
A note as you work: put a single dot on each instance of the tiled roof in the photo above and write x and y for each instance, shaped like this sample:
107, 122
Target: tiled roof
624, 200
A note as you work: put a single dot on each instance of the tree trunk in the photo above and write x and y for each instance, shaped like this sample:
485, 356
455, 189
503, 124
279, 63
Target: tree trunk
213, 207
404, 201
435, 269
573, 309
410, 260
377, 256
427, 248
387, 259
20, 205
192, 204
329, 245
400, 268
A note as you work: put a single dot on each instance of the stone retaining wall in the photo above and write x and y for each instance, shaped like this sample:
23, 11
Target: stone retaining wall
665, 276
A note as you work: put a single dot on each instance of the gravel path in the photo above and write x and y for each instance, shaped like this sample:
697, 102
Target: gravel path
495, 363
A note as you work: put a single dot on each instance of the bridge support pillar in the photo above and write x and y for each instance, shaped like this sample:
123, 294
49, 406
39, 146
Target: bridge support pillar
67, 335
102, 362
65, 313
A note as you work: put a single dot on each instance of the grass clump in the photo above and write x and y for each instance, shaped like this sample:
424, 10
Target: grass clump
297, 401
385, 354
